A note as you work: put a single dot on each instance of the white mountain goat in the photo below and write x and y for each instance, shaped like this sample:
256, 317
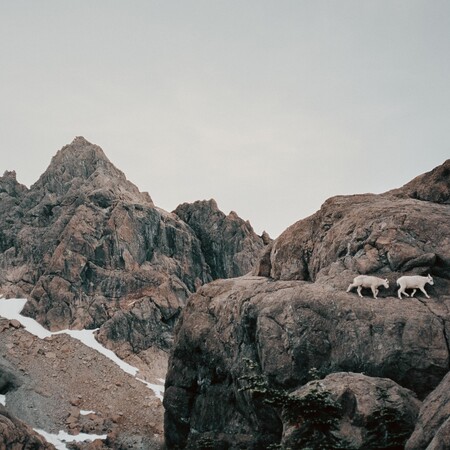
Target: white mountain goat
366, 281
413, 282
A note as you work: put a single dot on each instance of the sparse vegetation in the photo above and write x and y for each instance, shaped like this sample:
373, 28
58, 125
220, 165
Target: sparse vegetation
387, 429
314, 415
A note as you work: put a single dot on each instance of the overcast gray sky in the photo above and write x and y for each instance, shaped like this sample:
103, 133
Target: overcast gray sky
270, 107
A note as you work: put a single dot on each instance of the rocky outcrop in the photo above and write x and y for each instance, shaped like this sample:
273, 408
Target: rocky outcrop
296, 318
402, 231
89, 250
15, 434
364, 234
432, 431
433, 186
359, 412
229, 244
289, 328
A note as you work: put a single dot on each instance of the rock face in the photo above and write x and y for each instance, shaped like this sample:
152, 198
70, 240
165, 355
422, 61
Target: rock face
371, 412
289, 328
228, 243
296, 316
89, 250
432, 431
433, 186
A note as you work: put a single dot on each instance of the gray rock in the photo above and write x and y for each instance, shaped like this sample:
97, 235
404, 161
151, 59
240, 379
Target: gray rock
15, 434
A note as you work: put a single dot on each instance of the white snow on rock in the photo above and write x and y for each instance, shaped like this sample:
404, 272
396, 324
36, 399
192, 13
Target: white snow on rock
158, 389
11, 309
87, 338
83, 412
59, 440
2, 399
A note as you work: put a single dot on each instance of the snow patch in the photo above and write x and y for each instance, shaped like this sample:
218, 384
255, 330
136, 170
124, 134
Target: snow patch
58, 440
11, 309
83, 412
158, 389
2, 399
87, 338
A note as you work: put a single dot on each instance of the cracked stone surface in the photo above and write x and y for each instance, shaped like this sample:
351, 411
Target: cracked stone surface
89, 250
289, 328
295, 316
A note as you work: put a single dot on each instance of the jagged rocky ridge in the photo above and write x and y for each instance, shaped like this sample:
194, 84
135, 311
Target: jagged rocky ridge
89, 250
294, 319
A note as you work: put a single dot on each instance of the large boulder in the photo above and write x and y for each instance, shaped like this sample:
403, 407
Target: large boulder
297, 319
351, 410
289, 328
406, 230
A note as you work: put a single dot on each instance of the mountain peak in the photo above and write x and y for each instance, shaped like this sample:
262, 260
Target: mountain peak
80, 140
80, 149
82, 163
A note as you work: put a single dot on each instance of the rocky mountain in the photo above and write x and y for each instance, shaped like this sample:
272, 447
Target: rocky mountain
228, 243
245, 348
89, 250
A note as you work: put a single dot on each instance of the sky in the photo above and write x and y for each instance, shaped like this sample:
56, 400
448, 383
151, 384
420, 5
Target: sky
269, 107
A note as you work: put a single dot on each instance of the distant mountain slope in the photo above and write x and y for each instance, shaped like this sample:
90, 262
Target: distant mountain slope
228, 243
90, 250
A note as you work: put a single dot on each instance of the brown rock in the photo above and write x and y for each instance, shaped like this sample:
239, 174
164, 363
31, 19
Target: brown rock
433, 186
89, 250
288, 329
433, 424
354, 235
15, 434
15, 323
228, 243
406, 230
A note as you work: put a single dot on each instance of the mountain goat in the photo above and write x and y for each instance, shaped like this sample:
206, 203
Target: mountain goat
413, 282
367, 281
